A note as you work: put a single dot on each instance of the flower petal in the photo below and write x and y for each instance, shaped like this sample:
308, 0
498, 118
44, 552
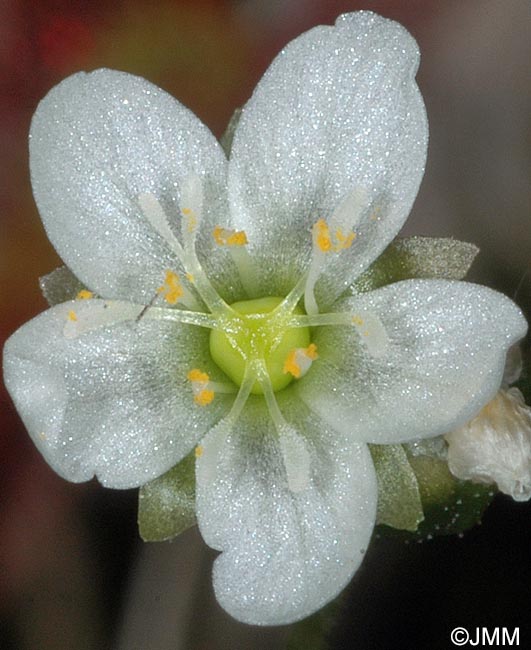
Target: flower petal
100, 140
114, 401
285, 553
444, 359
337, 112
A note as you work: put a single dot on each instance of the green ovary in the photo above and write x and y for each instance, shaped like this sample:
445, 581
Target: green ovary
257, 334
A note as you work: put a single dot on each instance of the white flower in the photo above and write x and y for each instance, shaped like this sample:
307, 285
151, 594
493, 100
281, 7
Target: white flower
138, 198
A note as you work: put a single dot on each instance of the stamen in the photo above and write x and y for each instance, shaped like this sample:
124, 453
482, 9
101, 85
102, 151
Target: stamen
349, 212
294, 451
370, 328
155, 215
321, 236
327, 243
192, 198
191, 202
296, 458
319, 320
172, 289
236, 241
333, 237
203, 393
372, 333
181, 316
93, 314
206, 470
173, 292
299, 360
84, 295
290, 301
98, 313
225, 237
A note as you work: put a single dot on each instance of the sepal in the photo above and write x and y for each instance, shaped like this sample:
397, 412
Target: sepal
418, 257
399, 502
60, 286
166, 505
450, 505
228, 135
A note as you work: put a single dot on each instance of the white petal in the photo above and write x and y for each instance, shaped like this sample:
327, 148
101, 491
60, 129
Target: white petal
285, 554
114, 401
337, 112
100, 140
445, 356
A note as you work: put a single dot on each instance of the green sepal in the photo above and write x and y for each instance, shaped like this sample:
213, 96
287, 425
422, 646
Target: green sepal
450, 505
166, 505
399, 501
228, 136
418, 257
60, 286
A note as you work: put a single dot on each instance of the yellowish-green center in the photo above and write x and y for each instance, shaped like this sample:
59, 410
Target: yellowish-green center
257, 331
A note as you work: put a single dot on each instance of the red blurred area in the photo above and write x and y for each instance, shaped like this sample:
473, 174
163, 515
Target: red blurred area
64, 40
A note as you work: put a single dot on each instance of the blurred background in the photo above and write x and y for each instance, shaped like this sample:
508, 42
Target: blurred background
73, 573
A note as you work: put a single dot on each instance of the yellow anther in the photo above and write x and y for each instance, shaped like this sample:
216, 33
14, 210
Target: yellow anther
72, 315
237, 239
196, 375
171, 288
357, 320
224, 237
323, 239
84, 295
199, 451
311, 352
299, 360
190, 278
322, 236
202, 394
291, 365
191, 218
344, 241
204, 397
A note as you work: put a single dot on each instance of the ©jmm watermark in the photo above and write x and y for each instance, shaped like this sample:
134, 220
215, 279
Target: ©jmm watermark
484, 636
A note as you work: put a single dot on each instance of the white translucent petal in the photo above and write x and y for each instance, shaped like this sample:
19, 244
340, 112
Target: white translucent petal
98, 142
445, 357
285, 553
338, 112
296, 458
113, 401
